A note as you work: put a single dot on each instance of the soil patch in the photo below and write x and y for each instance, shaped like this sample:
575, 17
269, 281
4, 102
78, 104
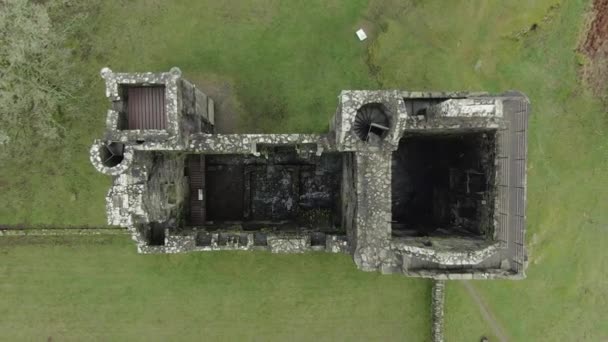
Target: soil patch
594, 46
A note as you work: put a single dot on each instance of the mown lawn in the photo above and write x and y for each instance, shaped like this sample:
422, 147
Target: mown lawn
99, 288
280, 66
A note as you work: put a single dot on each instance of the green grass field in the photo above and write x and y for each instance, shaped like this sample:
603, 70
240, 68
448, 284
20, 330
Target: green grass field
283, 65
59, 288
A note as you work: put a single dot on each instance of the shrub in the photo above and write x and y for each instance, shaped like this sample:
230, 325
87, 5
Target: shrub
36, 82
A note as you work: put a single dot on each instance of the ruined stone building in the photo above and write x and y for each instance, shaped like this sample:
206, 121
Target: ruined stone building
427, 184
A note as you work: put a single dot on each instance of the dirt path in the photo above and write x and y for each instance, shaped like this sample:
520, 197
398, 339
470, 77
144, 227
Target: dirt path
488, 316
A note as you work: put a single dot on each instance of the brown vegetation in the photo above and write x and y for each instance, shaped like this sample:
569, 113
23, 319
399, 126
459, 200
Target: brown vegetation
597, 35
595, 48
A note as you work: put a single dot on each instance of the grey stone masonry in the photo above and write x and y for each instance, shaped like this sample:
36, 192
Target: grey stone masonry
189, 241
437, 305
470, 253
187, 109
373, 218
249, 143
114, 81
336, 244
289, 244
350, 101
151, 191
197, 109
95, 156
469, 107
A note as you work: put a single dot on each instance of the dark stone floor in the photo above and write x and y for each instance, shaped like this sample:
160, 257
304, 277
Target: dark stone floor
443, 184
283, 190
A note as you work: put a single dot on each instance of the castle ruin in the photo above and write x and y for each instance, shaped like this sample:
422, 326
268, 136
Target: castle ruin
427, 184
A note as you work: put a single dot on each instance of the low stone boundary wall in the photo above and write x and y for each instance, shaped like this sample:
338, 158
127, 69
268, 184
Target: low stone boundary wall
4, 231
275, 242
437, 303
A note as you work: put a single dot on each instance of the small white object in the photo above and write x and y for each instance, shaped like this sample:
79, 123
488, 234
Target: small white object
361, 34
200, 194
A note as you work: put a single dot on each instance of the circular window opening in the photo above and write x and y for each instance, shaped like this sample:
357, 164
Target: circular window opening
371, 122
112, 154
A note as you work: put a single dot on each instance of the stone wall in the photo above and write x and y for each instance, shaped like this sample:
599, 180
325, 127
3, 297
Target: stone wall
189, 240
349, 103
114, 81
197, 109
437, 307
446, 251
166, 189
467, 108
349, 198
98, 161
124, 201
373, 215
289, 244
62, 231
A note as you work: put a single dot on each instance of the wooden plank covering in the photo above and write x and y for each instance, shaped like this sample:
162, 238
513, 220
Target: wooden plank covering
516, 111
196, 168
146, 107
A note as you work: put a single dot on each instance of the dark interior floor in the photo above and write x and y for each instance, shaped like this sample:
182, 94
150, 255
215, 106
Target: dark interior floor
443, 185
282, 191
224, 189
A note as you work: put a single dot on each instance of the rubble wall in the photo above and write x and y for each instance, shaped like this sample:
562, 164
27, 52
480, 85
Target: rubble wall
166, 189
196, 109
437, 307
349, 198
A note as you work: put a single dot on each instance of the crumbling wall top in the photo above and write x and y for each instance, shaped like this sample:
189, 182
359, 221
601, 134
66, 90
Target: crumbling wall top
169, 80
350, 104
